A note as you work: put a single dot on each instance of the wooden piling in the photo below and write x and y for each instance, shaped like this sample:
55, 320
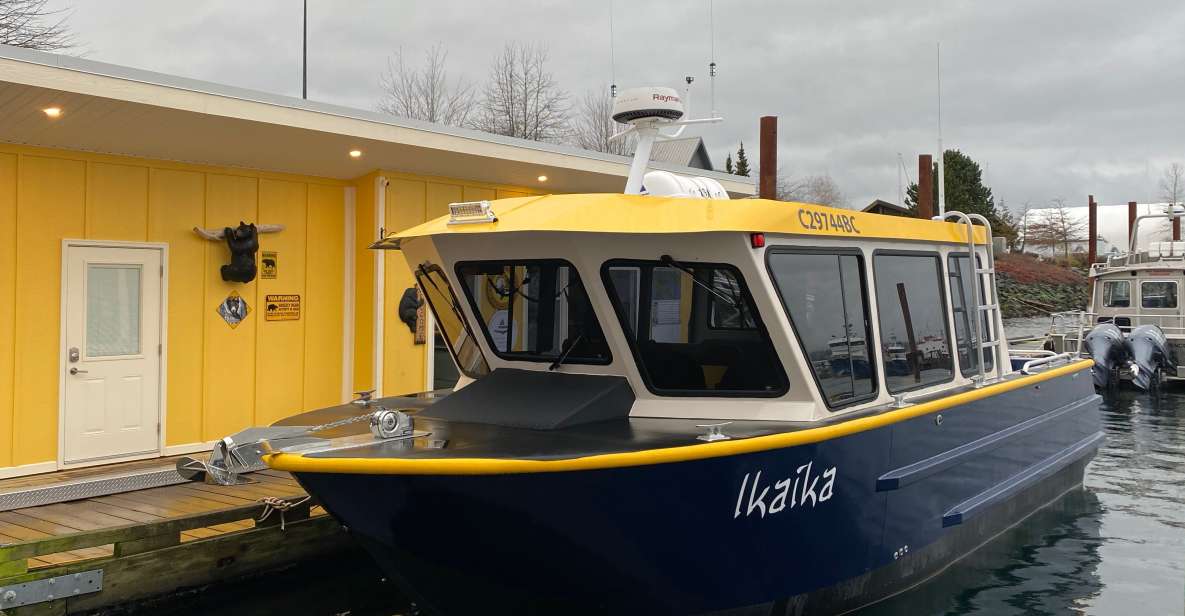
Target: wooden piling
925, 187
768, 179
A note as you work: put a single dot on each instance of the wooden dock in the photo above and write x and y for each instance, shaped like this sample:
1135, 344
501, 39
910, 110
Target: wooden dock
159, 540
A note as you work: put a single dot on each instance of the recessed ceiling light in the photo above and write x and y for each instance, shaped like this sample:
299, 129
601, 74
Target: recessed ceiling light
53, 112
542, 178
355, 153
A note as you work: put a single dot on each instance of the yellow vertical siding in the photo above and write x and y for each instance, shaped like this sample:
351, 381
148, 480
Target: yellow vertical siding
279, 362
116, 202
219, 380
365, 230
324, 293
51, 205
176, 203
404, 366
229, 352
8, 177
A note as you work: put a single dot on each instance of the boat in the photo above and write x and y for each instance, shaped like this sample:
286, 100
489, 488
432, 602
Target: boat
648, 421
1134, 325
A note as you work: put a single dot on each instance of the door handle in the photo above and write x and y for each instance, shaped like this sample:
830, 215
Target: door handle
77, 371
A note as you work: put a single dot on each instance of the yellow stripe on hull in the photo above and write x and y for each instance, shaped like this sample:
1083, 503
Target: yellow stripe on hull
298, 463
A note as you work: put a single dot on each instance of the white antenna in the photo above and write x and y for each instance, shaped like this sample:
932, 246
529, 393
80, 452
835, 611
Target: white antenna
941, 151
612, 61
900, 193
712, 59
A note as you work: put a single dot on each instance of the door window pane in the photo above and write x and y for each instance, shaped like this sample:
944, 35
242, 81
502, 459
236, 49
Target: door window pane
961, 300
534, 311
693, 329
825, 298
1158, 294
451, 321
912, 315
112, 310
1117, 294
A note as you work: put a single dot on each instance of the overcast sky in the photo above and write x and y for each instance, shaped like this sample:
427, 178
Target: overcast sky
1056, 99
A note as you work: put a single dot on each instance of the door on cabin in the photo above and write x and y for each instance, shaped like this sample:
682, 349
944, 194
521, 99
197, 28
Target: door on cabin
111, 353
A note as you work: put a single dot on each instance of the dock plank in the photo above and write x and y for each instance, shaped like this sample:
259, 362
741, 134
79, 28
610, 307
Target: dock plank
122, 512
175, 506
256, 491
45, 526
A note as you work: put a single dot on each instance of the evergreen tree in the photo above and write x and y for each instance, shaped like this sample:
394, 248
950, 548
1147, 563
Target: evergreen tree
728, 168
965, 192
742, 167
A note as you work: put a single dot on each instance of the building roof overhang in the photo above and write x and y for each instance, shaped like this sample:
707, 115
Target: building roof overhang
123, 111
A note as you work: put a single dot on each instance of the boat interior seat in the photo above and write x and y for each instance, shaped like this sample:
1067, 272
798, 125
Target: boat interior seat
670, 367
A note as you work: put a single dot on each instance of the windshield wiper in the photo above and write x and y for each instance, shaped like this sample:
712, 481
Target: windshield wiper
667, 260
559, 360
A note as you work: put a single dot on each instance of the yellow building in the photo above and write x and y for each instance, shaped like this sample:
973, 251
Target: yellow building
112, 345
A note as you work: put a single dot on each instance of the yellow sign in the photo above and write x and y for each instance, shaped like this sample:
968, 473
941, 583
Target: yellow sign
268, 266
281, 308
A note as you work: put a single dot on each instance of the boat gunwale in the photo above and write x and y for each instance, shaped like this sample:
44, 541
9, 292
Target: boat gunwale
299, 463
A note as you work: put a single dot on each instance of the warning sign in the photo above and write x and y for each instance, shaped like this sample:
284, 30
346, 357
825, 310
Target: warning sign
281, 308
268, 267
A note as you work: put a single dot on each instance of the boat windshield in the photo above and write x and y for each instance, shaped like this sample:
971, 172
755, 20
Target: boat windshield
535, 310
693, 329
451, 321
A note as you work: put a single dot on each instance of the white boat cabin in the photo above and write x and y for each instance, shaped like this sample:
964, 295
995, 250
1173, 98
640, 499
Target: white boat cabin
734, 310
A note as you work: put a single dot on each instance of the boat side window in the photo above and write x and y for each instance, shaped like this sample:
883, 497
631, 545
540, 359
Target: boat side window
826, 299
1117, 294
693, 329
912, 315
961, 296
451, 321
1158, 294
534, 310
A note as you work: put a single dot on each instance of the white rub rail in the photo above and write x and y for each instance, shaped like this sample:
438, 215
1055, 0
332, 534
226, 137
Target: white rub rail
1047, 361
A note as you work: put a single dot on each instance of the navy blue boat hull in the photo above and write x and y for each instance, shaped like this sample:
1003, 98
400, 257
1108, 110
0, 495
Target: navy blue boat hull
860, 517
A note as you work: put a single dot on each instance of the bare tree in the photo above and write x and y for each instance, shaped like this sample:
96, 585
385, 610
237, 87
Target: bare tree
425, 93
28, 23
818, 189
1056, 226
593, 125
1172, 184
522, 99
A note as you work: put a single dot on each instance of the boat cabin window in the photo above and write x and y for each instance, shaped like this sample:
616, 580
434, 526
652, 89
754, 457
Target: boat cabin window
1117, 294
534, 310
912, 314
826, 300
451, 321
961, 298
693, 329
1158, 294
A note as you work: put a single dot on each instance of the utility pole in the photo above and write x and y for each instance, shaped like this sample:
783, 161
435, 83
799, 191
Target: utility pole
304, 52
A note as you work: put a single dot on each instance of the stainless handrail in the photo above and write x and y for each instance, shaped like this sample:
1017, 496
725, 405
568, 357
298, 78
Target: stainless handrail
1049, 360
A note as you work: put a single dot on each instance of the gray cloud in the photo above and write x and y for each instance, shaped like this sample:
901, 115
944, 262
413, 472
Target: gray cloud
1057, 99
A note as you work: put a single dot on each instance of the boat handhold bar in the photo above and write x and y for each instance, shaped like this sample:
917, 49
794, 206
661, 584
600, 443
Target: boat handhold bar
1030, 367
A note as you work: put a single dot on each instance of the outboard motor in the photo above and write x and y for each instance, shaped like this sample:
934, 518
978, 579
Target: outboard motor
1106, 345
1151, 356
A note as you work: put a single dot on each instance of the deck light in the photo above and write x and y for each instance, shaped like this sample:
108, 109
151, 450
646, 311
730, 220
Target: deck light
355, 153
542, 178
53, 112
757, 240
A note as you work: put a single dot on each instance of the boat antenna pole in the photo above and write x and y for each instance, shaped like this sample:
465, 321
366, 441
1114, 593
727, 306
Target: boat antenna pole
941, 151
612, 61
712, 57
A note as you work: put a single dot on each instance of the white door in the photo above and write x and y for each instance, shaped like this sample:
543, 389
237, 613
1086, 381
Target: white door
112, 352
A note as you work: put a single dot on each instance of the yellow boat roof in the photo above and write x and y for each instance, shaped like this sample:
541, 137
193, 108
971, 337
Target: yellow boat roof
613, 213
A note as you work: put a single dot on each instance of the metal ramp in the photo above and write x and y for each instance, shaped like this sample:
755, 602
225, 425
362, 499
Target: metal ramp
984, 282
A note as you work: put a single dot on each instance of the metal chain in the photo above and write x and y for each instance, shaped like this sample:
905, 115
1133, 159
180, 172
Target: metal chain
343, 422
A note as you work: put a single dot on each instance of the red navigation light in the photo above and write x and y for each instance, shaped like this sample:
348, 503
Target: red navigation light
757, 240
